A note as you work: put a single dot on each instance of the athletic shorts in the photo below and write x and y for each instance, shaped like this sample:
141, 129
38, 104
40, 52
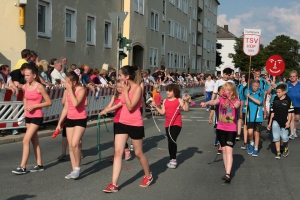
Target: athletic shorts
134, 132
256, 126
70, 123
64, 132
226, 138
34, 120
297, 111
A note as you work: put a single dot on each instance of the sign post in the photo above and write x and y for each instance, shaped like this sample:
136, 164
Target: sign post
117, 19
251, 47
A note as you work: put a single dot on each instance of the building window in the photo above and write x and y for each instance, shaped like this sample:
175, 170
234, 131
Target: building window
189, 51
71, 24
175, 60
164, 10
44, 18
91, 30
190, 25
205, 22
171, 28
183, 60
172, 2
179, 4
193, 62
204, 43
163, 45
185, 6
153, 57
178, 61
107, 34
194, 13
177, 30
139, 6
170, 60
154, 21
194, 39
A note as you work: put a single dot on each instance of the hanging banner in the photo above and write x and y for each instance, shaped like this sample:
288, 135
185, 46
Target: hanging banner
251, 42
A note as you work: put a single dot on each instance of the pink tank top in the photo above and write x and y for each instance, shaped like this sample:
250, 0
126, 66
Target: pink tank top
33, 97
79, 112
134, 117
117, 111
171, 108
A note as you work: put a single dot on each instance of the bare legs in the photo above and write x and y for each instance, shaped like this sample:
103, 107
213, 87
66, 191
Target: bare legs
227, 158
74, 136
31, 135
120, 141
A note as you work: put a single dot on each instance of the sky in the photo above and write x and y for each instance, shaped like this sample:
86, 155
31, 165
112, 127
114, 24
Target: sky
273, 17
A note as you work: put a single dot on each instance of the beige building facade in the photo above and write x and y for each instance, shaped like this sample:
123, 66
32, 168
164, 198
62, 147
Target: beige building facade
175, 34
80, 30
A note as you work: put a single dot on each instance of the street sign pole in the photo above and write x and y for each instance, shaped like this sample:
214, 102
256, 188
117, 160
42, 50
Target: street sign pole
117, 19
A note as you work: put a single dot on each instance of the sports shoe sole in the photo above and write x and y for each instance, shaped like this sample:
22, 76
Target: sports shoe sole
19, 173
254, 155
110, 191
147, 184
34, 170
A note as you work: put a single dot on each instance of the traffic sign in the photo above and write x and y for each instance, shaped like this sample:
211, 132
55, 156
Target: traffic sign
117, 17
251, 42
275, 65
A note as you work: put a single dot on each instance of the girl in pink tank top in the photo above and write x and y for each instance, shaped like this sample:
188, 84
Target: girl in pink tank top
34, 93
171, 108
116, 105
130, 125
75, 112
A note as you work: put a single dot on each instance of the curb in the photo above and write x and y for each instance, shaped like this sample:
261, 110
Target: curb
44, 133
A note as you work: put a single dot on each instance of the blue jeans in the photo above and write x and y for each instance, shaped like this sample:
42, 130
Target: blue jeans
279, 132
208, 97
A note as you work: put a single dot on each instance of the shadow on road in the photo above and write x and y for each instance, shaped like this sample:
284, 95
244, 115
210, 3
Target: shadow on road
238, 160
22, 196
160, 166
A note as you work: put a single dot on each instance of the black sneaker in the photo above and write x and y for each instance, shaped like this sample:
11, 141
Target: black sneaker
37, 168
19, 170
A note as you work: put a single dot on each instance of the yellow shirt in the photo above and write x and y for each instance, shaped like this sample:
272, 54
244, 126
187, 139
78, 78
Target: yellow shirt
20, 63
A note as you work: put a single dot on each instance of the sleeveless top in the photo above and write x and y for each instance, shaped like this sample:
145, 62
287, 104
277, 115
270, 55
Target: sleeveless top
171, 108
117, 111
33, 97
134, 117
79, 112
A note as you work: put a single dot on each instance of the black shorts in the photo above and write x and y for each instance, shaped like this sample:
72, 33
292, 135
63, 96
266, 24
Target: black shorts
64, 132
297, 111
256, 126
70, 123
134, 132
226, 138
34, 120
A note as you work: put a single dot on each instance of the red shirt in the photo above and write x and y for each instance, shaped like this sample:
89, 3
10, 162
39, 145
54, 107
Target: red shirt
173, 116
117, 111
157, 99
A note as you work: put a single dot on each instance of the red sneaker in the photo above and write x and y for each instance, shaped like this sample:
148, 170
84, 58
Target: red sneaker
146, 181
111, 188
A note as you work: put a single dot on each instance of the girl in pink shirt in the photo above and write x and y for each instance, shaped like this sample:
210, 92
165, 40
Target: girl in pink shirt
34, 93
227, 125
117, 108
130, 125
171, 108
74, 110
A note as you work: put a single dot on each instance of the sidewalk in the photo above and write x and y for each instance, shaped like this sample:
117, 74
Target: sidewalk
7, 139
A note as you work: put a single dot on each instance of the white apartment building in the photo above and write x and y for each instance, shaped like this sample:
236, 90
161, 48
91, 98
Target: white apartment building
227, 39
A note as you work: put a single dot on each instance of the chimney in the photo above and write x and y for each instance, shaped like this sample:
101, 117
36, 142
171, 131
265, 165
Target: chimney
226, 27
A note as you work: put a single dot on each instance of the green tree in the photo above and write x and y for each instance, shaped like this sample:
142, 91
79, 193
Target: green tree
243, 61
288, 49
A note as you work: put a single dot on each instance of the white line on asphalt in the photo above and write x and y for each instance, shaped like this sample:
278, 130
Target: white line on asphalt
202, 120
196, 117
189, 120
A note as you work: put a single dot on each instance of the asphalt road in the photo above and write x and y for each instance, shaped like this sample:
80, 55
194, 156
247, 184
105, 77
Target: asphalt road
196, 177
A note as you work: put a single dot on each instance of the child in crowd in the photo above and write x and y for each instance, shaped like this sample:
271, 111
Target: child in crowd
116, 105
254, 116
226, 128
157, 100
280, 119
173, 123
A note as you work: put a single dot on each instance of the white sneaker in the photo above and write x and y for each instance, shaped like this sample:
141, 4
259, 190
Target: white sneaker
291, 136
172, 164
295, 135
75, 174
69, 176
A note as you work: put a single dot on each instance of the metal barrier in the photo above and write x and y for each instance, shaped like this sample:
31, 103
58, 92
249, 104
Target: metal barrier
12, 108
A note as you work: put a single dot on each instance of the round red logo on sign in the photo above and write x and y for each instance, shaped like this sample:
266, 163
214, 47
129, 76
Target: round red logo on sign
275, 65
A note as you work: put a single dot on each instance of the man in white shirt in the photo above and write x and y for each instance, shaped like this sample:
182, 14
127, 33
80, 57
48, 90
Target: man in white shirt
226, 74
57, 76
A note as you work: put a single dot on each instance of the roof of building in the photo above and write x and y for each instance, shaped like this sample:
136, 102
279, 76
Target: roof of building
223, 33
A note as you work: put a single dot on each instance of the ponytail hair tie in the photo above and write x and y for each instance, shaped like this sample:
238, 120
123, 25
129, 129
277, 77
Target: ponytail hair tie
77, 71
